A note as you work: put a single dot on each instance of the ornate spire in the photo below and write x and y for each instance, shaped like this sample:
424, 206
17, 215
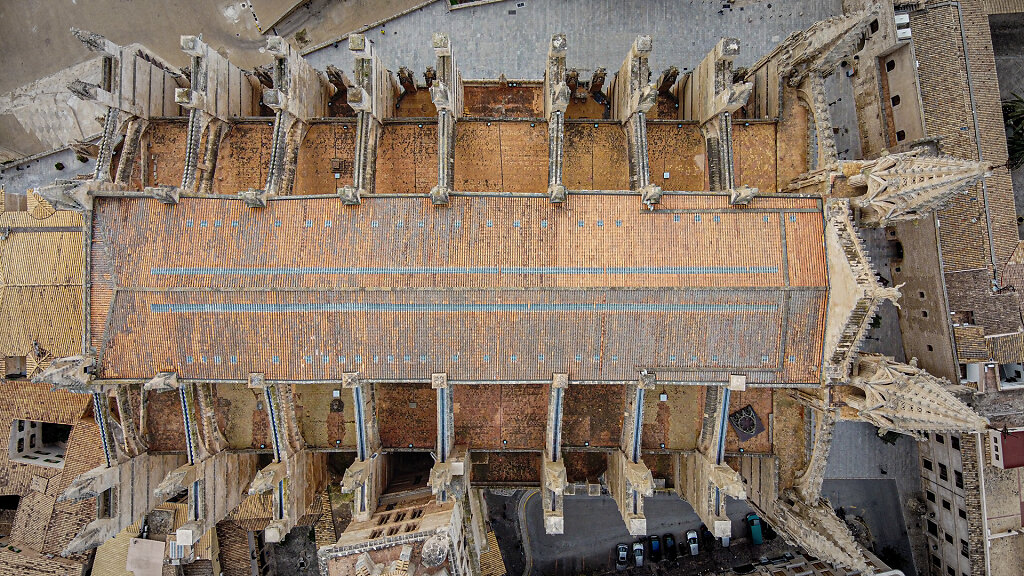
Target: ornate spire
904, 398
902, 187
820, 48
816, 528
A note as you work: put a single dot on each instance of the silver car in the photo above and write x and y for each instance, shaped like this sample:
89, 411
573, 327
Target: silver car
691, 539
621, 557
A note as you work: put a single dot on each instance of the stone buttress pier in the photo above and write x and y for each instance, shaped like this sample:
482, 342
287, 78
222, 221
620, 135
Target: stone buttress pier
629, 479
631, 98
373, 99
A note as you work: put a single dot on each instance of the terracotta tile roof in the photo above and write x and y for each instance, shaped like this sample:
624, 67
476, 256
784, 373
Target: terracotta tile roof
501, 100
43, 524
971, 344
595, 158
972, 291
490, 288
326, 151
233, 544
584, 466
593, 414
29, 564
41, 284
487, 415
677, 149
755, 156
31, 520
1008, 349
406, 414
406, 159
506, 468
257, 511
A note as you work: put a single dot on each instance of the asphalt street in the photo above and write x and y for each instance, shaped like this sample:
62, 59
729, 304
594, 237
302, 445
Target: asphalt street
878, 503
594, 526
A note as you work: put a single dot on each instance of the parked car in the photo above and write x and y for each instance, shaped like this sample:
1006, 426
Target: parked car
655, 547
621, 556
669, 542
707, 539
638, 554
691, 539
755, 528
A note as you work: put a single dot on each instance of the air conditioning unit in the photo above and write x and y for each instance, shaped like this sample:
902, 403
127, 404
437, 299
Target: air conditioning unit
903, 26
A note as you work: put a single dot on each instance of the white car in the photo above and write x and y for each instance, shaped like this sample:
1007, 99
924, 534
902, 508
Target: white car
638, 553
691, 539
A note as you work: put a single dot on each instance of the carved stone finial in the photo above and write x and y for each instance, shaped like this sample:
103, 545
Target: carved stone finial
73, 373
162, 382
356, 42
350, 379
73, 196
560, 380
647, 380
350, 195
90, 484
257, 380
639, 477
742, 195
92, 535
906, 186
165, 194
174, 483
820, 48
559, 45
83, 90
439, 195
442, 44
560, 97
557, 193
254, 198
439, 380
651, 194
727, 480
440, 95
268, 477
93, 41
906, 399
644, 99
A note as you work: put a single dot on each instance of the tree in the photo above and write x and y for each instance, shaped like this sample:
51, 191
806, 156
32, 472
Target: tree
1013, 116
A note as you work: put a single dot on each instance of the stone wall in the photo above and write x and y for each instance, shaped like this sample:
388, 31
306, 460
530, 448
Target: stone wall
972, 495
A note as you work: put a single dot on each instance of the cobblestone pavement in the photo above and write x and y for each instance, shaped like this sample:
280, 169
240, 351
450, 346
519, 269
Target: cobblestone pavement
511, 37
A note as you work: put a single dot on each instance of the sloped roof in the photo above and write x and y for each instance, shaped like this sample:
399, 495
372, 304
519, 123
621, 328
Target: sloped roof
41, 267
491, 288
